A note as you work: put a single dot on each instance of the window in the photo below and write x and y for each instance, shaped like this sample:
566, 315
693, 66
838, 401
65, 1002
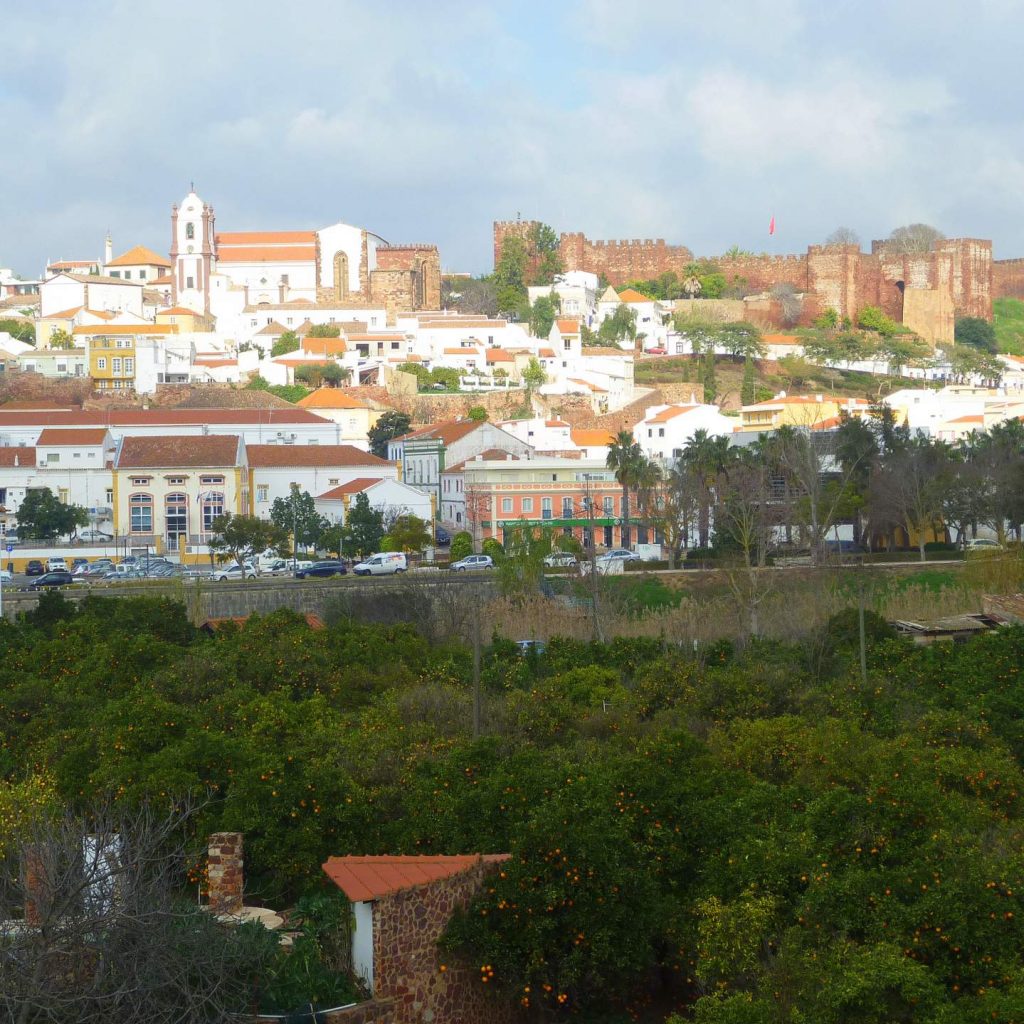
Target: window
52, 457
175, 518
110, 495
115, 273
607, 536
176, 481
506, 504
140, 481
78, 455
545, 508
116, 365
263, 492
190, 230
142, 275
567, 508
190, 282
213, 506
101, 363
609, 505
62, 367
661, 431
129, 365
140, 507
205, 480
127, 275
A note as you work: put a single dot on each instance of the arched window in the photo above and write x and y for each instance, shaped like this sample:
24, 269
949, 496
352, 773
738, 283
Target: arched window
213, 506
190, 230
140, 513
340, 275
175, 518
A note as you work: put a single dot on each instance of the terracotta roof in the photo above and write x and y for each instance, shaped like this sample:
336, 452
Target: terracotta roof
73, 263
64, 314
324, 346
370, 878
218, 451
365, 336
567, 326
606, 350
671, 413
176, 311
462, 351
120, 329
591, 438
140, 256
968, 419
780, 339
555, 423
491, 455
499, 355
267, 254
246, 238
827, 424
77, 437
25, 457
546, 353
586, 384
330, 398
155, 417
103, 314
163, 279
449, 431
101, 279
458, 323
356, 486
632, 295
328, 455
211, 362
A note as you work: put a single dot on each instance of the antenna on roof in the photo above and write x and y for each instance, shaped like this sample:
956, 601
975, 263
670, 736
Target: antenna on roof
191, 186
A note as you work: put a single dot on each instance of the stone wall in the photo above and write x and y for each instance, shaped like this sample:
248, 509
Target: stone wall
623, 260
1008, 279
224, 872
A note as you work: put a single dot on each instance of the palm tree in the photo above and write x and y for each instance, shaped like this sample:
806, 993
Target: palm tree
646, 477
706, 457
625, 457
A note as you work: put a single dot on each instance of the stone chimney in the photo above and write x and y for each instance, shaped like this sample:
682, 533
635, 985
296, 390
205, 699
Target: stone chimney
224, 870
34, 883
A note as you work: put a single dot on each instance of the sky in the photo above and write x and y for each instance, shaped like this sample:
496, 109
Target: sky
424, 122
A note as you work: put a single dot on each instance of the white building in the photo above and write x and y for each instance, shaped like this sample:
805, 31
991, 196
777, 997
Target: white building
93, 291
666, 429
391, 498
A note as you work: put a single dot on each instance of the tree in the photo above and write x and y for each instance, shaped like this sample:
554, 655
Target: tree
534, 376
61, 339
544, 249
705, 458
477, 413
43, 516
625, 457
790, 302
364, 526
23, 330
322, 373
241, 536
470, 295
620, 326
288, 342
324, 331
740, 339
901, 350
871, 318
297, 515
510, 277
748, 389
390, 425
409, 533
914, 238
828, 320
542, 315
843, 236
708, 378
976, 332
461, 546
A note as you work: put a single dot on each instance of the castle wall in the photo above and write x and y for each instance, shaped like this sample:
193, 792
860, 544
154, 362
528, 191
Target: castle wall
1008, 279
623, 260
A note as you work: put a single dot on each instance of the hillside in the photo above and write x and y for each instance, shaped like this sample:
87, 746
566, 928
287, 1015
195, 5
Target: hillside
1008, 320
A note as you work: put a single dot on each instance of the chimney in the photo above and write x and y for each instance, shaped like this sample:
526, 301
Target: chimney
224, 872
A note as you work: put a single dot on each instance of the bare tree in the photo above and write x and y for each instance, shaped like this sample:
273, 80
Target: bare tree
791, 303
913, 238
95, 926
843, 236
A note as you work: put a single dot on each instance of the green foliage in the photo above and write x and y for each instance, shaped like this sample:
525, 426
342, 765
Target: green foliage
43, 516
1008, 322
61, 339
409, 533
364, 527
976, 332
534, 376
288, 342
493, 547
289, 392
748, 391
542, 315
620, 326
297, 515
871, 318
390, 425
23, 330
708, 379
317, 374
325, 331
478, 414
461, 546
241, 536
828, 320
544, 248
448, 378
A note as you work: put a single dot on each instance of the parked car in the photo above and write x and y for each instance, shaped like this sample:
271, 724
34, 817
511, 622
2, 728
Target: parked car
560, 559
473, 562
442, 538
382, 564
236, 572
983, 544
624, 553
6, 576
326, 567
56, 564
58, 578
844, 547
91, 534
34, 567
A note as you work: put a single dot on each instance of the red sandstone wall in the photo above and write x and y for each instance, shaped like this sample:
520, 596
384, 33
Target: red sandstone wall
407, 962
1008, 279
623, 260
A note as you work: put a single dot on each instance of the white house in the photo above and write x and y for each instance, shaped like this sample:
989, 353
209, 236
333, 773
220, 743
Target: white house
70, 291
391, 498
666, 429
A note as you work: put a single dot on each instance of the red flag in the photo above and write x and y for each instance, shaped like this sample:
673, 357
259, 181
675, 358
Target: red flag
771, 225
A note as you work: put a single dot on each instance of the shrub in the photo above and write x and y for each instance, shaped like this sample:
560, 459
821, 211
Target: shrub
461, 546
494, 548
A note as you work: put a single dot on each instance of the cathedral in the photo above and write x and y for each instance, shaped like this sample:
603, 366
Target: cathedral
220, 273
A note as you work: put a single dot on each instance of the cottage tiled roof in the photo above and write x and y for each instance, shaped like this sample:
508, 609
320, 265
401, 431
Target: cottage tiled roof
76, 437
156, 417
123, 329
591, 438
568, 326
356, 486
632, 295
10, 457
499, 355
671, 413
216, 451
64, 314
176, 311
370, 878
267, 254
330, 398
140, 256
447, 432
324, 346
227, 239
327, 455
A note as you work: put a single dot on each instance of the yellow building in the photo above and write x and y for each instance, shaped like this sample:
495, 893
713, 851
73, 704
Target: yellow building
808, 411
113, 359
184, 321
168, 489
353, 416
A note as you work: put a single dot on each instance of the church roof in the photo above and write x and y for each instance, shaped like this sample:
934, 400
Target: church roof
266, 254
140, 256
247, 238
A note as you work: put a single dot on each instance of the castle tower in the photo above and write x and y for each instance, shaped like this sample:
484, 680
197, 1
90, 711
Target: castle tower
193, 253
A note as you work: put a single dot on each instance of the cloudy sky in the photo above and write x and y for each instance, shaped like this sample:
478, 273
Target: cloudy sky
692, 121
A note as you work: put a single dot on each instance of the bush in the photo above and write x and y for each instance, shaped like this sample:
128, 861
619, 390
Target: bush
461, 546
494, 548
939, 545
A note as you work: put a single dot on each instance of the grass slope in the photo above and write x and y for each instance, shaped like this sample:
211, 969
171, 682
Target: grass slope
1008, 320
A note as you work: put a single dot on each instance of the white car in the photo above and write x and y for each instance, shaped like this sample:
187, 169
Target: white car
983, 544
6, 576
56, 565
234, 572
624, 553
560, 559
94, 535
473, 562
382, 564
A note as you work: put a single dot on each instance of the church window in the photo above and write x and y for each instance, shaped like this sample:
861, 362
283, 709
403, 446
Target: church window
190, 230
340, 275
190, 282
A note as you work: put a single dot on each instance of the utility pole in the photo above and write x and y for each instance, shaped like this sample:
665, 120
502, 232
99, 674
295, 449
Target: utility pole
594, 610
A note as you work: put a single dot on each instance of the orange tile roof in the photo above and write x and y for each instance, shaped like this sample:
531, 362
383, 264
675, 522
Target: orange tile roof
462, 352
269, 456
324, 346
176, 311
214, 451
546, 353
370, 878
632, 295
121, 329
780, 339
671, 413
584, 438
606, 350
57, 437
968, 419
827, 424
499, 355
268, 254
11, 457
73, 263
568, 326
64, 314
356, 486
555, 423
447, 432
587, 384
140, 256
212, 362
163, 279
330, 398
103, 314
247, 238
